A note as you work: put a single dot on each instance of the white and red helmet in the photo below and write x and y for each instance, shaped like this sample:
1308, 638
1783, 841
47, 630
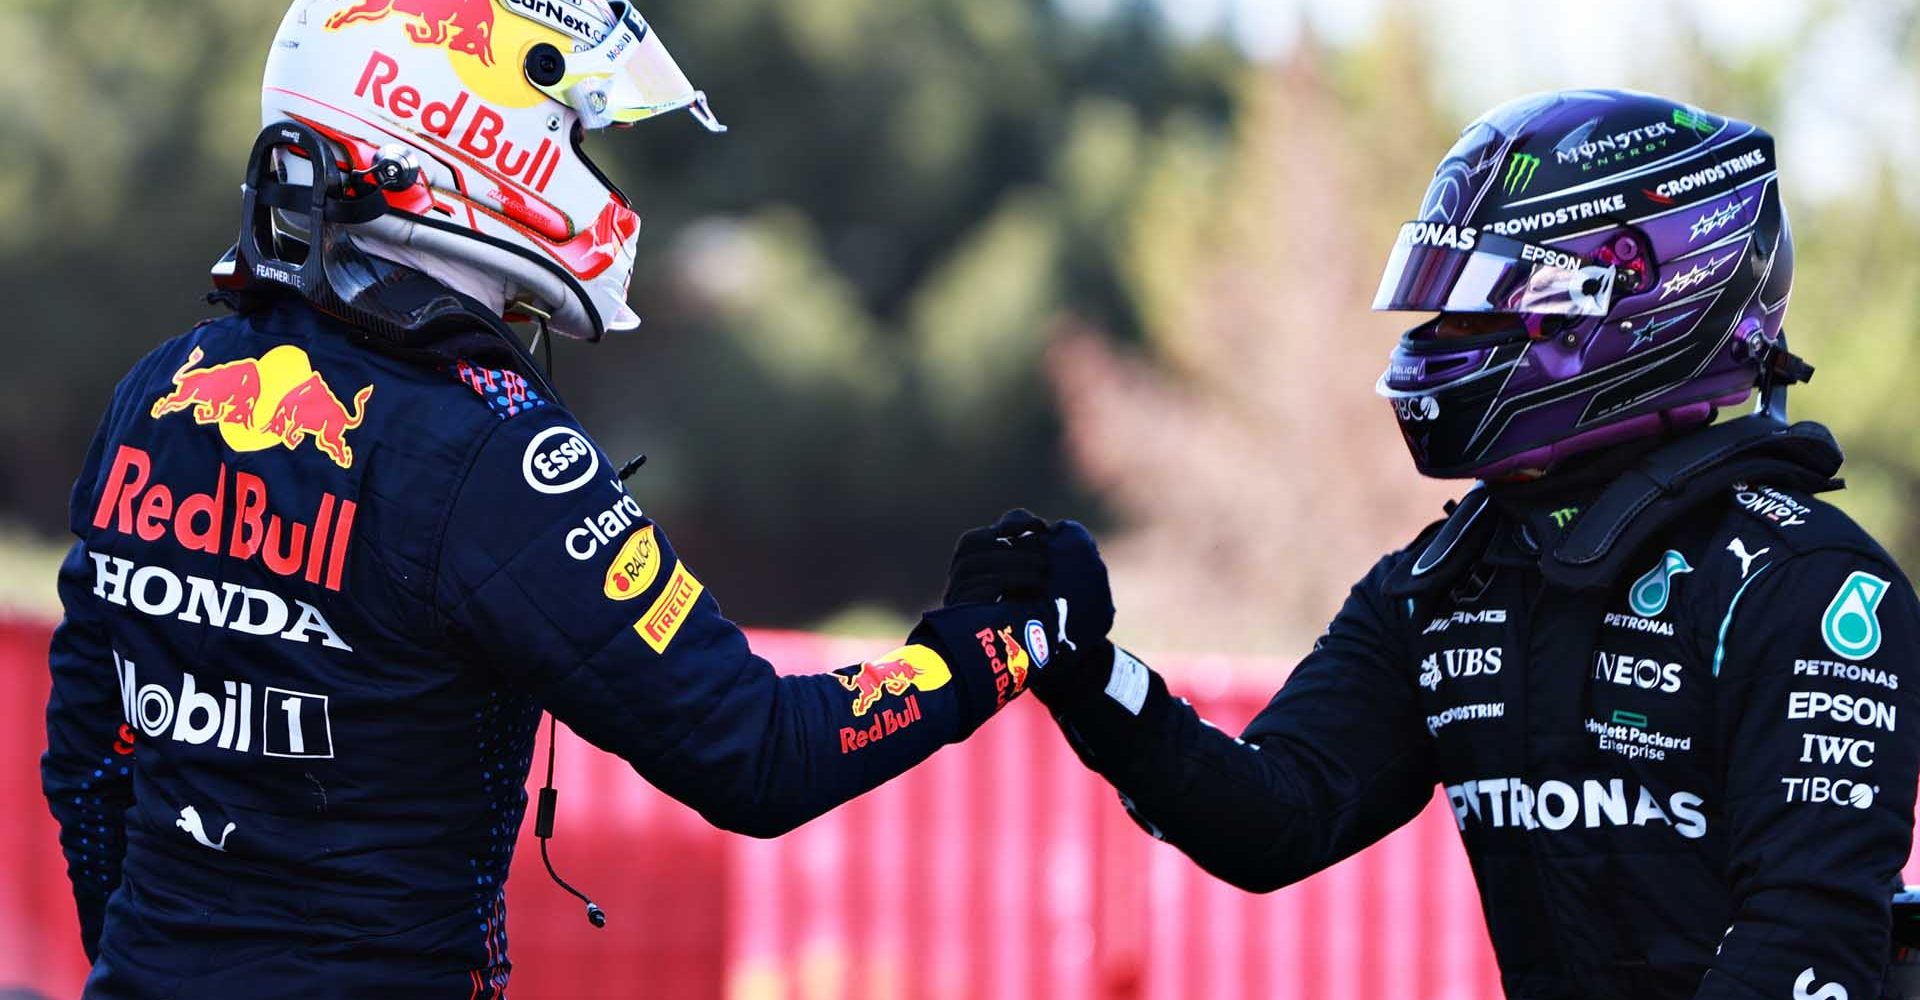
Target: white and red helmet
492, 99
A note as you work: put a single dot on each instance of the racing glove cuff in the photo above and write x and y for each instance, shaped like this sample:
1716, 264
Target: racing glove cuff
994, 650
1110, 716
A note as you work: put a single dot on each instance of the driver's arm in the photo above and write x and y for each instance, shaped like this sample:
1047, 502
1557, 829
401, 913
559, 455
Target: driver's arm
1336, 761
581, 598
1819, 775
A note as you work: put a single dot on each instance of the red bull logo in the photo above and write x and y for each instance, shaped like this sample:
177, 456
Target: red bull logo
472, 127
222, 394
464, 26
885, 723
905, 669
1009, 668
234, 518
259, 402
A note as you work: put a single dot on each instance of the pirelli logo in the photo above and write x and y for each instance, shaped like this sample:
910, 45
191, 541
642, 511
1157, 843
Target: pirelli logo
662, 621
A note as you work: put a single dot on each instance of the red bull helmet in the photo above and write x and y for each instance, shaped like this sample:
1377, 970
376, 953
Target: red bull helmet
490, 104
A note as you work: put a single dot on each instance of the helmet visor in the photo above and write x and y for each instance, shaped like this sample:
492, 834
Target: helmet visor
1437, 267
628, 77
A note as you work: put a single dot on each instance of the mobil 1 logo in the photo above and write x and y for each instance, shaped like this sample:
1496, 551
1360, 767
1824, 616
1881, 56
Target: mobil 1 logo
227, 715
297, 725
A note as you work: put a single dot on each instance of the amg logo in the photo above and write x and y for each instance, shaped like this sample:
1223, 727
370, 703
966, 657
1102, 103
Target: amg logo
1491, 616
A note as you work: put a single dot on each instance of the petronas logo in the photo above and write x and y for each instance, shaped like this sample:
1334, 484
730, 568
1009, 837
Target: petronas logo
1648, 595
1520, 173
1851, 626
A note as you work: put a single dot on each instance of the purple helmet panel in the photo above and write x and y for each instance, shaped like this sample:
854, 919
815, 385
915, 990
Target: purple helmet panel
1630, 236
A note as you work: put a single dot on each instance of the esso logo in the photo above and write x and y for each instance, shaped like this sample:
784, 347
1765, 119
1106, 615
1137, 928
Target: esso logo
559, 460
1037, 642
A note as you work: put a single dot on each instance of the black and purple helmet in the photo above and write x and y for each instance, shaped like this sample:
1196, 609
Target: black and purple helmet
1639, 247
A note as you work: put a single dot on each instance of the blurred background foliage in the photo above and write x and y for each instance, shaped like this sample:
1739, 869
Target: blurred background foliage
1104, 258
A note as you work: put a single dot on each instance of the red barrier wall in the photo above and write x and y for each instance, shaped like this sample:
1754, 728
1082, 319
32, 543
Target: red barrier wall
1000, 868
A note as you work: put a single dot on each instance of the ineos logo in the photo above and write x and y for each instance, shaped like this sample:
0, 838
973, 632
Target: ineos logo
559, 460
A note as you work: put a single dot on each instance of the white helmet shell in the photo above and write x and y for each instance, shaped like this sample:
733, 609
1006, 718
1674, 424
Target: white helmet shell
507, 208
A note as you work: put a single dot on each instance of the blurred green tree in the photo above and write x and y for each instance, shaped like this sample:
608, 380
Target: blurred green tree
846, 297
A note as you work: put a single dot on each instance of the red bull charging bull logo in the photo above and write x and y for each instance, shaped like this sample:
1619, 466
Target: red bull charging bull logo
464, 26
257, 403
904, 669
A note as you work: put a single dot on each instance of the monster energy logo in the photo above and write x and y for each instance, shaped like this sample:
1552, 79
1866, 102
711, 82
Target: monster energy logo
1692, 122
1520, 173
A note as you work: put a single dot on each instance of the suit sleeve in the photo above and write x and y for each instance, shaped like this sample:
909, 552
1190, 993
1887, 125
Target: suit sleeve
552, 573
1336, 761
1816, 715
86, 771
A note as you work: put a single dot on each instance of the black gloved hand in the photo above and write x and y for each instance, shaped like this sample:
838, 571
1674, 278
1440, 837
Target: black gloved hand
1004, 562
1077, 589
1051, 586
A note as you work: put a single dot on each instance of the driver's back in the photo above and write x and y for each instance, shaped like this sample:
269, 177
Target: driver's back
252, 661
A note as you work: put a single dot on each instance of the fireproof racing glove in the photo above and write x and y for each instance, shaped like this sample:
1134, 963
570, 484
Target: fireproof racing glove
1043, 583
1004, 561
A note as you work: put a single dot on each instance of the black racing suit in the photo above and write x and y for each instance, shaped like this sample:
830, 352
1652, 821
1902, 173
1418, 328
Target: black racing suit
1671, 704
320, 598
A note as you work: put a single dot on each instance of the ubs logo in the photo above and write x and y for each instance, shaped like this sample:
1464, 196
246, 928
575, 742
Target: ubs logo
1458, 663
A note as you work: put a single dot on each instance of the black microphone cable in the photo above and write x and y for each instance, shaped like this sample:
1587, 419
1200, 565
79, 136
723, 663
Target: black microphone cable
543, 828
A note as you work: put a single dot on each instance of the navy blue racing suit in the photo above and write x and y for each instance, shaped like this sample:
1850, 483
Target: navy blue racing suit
1671, 705
320, 598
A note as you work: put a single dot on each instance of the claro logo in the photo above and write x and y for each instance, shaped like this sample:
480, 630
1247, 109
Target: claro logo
1559, 805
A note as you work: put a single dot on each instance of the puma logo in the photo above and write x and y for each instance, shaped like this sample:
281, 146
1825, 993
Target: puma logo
1739, 550
190, 821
